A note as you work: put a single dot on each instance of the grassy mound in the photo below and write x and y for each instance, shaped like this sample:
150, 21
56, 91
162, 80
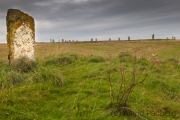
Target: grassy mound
23, 65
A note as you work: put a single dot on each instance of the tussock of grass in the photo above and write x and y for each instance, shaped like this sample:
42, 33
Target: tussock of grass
15, 78
48, 75
143, 61
96, 59
63, 59
9, 79
24, 65
125, 57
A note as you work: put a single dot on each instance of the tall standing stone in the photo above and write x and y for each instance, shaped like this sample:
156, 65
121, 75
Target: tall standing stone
20, 35
152, 36
128, 38
91, 39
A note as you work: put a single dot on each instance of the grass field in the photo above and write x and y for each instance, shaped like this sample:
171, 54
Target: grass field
70, 81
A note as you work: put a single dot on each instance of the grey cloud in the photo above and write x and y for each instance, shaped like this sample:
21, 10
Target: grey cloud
99, 18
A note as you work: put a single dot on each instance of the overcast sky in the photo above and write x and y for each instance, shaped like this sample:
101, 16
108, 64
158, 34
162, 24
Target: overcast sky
101, 19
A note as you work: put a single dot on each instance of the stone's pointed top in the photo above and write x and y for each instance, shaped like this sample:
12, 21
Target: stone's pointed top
15, 15
16, 11
11, 9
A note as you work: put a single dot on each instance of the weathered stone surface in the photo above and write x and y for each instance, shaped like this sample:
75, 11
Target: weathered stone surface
20, 35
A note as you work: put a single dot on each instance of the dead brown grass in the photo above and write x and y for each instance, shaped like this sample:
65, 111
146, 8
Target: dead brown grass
3, 51
162, 48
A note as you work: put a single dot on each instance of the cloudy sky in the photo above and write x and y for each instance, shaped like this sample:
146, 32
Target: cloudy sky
101, 19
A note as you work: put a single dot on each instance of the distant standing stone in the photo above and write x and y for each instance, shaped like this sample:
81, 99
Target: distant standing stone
128, 38
20, 35
152, 36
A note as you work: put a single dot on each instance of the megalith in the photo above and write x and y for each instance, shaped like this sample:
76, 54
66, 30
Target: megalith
128, 38
152, 36
20, 35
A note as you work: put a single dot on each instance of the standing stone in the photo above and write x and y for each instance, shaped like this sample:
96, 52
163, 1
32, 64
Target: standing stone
91, 39
119, 39
153, 37
20, 35
128, 38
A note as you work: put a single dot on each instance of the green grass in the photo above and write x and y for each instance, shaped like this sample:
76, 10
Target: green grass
70, 86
